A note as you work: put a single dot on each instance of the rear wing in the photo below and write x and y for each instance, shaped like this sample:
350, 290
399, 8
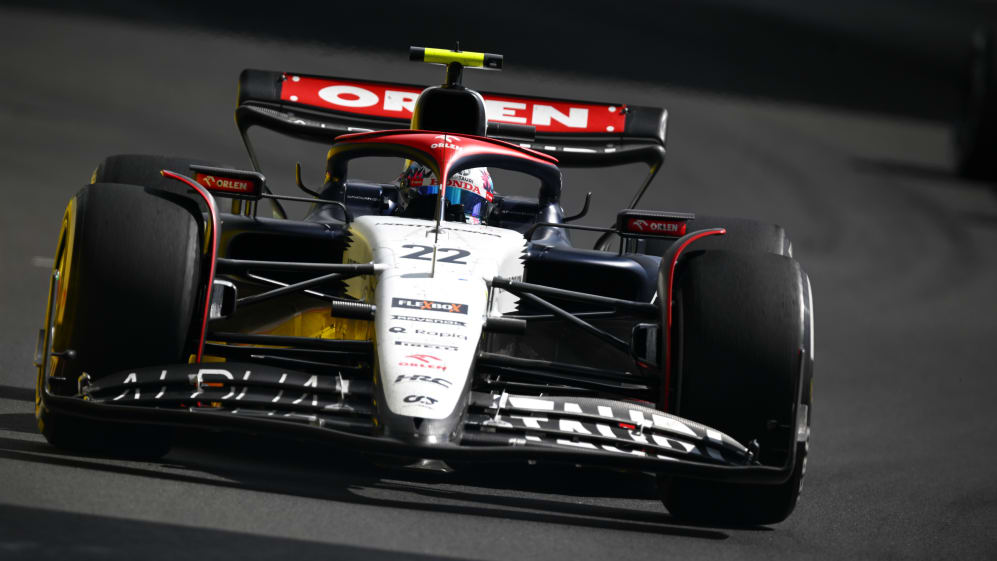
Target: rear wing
577, 133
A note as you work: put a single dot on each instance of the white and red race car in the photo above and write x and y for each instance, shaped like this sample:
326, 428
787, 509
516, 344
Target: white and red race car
392, 323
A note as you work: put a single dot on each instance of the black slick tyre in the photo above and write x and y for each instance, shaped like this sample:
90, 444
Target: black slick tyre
743, 234
143, 169
742, 358
126, 286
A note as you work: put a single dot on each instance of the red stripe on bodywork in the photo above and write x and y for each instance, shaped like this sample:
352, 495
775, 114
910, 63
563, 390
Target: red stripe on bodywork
213, 211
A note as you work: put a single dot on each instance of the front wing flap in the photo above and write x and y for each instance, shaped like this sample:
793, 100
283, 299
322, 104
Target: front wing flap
336, 408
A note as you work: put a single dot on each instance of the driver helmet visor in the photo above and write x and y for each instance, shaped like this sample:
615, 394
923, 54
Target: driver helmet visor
471, 188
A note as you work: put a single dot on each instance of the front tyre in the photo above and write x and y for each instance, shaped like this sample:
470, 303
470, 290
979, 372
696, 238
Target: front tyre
126, 285
742, 358
144, 169
743, 234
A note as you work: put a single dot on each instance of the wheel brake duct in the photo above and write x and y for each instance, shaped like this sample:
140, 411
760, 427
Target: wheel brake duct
670, 260
209, 200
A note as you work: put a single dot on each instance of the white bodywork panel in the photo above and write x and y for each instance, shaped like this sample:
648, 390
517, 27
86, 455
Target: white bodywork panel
428, 324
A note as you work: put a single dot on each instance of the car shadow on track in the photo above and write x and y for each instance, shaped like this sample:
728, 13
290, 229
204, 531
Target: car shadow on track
19, 422
278, 466
17, 393
27, 533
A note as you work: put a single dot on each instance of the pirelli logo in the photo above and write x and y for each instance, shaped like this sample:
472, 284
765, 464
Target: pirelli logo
434, 346
429, 305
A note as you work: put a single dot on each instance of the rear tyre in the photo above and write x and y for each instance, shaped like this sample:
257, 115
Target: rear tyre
741, 327
125, 291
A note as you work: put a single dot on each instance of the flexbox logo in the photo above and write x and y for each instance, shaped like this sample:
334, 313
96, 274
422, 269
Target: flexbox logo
429, 305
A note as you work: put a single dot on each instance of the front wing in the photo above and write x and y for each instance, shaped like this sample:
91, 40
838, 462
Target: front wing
496, 427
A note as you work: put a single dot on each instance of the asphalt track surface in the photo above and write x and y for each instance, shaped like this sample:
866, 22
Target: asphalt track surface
900, 252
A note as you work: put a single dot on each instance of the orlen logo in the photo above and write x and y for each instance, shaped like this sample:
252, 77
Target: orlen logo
223, 183
397, 101
447, 141
424, 361
660, 227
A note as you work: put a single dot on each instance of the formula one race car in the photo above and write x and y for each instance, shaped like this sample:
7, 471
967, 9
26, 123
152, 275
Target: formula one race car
432, 319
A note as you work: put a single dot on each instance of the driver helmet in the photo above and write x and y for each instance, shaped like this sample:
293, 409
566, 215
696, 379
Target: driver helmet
471, 188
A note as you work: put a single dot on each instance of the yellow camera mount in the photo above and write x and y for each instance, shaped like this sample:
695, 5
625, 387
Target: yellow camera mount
456, 61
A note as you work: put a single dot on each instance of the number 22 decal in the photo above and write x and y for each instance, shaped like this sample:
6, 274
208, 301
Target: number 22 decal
423, 251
